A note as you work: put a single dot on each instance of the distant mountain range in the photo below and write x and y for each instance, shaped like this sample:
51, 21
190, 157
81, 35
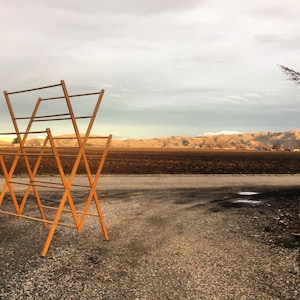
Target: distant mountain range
221, 140
289, 140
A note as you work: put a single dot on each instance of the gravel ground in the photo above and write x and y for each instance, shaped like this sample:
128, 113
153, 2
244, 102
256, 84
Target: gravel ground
171, 237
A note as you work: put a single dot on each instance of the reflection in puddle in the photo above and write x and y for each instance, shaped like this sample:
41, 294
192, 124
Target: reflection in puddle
247, 193
246, 201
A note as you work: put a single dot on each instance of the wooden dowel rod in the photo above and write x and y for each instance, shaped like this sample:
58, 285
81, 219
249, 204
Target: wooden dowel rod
52, 119
16, 133
34, 89
66, 138
60, 119
74, 184
47, 154
48, 184
42, 117
69, 210
35, 219
70, 96
26, 154
52, 185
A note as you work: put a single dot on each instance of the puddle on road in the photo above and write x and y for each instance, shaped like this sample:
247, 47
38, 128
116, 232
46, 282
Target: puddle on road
247, 193
247, 201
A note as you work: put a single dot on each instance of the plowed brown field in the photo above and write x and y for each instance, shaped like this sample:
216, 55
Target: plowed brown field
169, 161
201, 162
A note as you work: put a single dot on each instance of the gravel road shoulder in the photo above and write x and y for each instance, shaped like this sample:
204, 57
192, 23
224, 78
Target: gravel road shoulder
171, 237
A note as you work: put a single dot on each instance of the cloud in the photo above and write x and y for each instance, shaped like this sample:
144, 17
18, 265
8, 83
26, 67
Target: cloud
268, 38
174, 65
126, 7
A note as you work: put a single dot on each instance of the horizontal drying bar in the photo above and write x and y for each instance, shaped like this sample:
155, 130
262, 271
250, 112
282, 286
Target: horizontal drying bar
34, 89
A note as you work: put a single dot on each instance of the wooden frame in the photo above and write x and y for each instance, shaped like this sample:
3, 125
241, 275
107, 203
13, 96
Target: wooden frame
66, 181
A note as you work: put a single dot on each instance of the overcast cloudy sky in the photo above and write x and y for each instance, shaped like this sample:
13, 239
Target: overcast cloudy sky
168, 67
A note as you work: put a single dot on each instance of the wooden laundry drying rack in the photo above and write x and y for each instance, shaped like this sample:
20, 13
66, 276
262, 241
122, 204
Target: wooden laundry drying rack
34, 185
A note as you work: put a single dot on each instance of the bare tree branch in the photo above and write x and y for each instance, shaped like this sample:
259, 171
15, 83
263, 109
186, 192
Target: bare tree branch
293, 75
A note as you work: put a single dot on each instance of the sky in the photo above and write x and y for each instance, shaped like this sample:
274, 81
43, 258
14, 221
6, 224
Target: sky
168, 67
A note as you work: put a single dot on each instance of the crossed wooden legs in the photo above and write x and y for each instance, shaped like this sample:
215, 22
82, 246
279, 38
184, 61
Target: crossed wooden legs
66, 181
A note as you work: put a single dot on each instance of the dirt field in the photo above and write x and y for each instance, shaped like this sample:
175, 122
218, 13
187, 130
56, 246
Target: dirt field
180, 236
201, 162
173, 161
